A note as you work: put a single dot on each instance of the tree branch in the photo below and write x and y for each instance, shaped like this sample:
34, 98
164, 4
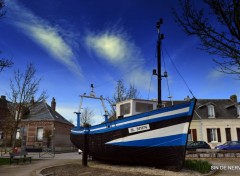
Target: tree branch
223, 40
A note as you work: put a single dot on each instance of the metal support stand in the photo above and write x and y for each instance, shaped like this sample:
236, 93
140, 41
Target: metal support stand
85, 151
106, 118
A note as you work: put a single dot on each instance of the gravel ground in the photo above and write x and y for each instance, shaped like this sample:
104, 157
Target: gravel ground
100, 169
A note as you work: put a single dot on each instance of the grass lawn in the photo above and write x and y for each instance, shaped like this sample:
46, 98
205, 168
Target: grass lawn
4, 161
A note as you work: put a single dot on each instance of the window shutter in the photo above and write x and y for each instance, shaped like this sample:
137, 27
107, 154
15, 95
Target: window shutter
1, 135
208, 135
219, 135
194, 134
238, 133
228, 134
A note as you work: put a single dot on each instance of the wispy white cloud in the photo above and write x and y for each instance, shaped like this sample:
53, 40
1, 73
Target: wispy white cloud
108, 46
44, 34
115, 47
215, 74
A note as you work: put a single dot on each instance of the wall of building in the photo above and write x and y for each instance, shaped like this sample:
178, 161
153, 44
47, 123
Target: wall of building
202, 125
62, 135
31, 132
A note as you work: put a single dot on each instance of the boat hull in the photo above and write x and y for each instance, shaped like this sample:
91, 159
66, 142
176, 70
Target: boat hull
157, 138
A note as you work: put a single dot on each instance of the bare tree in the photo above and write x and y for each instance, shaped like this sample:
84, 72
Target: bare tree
23, 87
86, 117
8, 130
3, 62
2, 11
121, 93
218, 30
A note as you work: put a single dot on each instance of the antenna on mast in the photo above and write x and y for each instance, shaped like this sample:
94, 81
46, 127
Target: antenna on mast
92, 93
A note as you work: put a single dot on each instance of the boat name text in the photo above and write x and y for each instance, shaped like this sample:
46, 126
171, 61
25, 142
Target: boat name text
138, 128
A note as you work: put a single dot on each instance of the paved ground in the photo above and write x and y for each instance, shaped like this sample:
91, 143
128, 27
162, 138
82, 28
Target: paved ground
37, 165
226, 166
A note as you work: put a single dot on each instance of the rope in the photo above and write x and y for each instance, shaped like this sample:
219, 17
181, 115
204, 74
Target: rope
149, 87
179, 74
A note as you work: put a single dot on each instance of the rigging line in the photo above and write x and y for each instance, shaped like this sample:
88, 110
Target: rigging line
179, 73
121, 75
149, 87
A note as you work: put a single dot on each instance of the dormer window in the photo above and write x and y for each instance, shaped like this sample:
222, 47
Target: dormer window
238, 111
211, 111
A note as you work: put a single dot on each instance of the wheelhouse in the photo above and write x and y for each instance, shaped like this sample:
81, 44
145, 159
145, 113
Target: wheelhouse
134, 106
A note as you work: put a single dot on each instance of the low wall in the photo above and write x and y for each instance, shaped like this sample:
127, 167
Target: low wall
212, 153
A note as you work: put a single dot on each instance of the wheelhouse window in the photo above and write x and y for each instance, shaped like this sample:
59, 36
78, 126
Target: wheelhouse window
39, 134
211, 111
125, 109
143, 107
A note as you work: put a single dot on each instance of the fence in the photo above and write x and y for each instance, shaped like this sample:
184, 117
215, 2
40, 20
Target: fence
213, 153
5, 151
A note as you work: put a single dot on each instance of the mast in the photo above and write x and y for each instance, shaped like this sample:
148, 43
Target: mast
158, 72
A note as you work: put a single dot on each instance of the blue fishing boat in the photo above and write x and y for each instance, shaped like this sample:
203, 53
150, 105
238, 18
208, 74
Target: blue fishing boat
145, 132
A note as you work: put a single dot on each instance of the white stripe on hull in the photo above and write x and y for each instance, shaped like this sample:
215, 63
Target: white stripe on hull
169, 113
162, 132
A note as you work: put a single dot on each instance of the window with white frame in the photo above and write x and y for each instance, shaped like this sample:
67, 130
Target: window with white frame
18, 134
211, 111
238, 111
213, 134
39, 134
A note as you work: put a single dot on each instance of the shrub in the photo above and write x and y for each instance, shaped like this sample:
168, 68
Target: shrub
198, 165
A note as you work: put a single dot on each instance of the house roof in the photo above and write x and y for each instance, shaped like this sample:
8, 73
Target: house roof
3, 102
42, 111
224, 109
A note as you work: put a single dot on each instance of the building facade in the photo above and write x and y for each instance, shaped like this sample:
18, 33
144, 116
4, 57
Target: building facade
42, 126
216, 121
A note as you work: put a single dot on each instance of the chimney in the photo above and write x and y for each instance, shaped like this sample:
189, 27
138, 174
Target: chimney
3, 97
53, 104
233, 98
187, 98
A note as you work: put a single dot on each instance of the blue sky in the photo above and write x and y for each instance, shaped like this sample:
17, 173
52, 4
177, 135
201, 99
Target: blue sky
74, 43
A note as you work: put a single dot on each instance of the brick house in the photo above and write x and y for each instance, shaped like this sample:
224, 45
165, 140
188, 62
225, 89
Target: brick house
3, 115
43, 126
